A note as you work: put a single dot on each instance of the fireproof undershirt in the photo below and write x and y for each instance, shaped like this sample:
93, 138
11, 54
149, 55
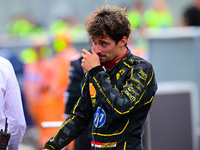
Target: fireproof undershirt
112, 63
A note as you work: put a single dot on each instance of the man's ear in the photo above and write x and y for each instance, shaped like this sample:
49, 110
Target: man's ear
122, 42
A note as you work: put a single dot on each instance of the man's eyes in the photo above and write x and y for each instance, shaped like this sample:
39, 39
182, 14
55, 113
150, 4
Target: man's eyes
103, 44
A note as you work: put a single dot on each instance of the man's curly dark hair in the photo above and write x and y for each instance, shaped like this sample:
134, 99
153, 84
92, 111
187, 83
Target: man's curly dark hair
109, 20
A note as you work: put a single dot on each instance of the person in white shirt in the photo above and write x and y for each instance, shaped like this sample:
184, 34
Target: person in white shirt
11, 105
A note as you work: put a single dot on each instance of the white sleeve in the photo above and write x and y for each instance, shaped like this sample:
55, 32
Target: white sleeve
14, 111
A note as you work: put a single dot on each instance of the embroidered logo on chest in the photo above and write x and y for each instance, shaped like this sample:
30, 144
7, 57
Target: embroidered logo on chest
120, 73
99, 117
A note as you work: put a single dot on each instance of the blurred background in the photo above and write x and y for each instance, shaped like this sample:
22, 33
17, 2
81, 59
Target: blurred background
41, 38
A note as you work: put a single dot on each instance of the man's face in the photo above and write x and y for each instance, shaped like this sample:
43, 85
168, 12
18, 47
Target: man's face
106, 48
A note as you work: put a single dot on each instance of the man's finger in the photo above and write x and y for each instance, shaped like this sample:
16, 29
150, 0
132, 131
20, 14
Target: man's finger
93, 51
85, 51
83, 55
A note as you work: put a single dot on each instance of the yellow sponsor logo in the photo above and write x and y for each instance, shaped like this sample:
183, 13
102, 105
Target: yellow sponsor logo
132, 98
142, 75
107, 145
120, 73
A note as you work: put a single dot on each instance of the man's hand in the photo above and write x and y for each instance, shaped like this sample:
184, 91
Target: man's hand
90, 60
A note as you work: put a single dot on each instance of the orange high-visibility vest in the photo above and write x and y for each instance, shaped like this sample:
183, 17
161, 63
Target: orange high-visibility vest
45, 84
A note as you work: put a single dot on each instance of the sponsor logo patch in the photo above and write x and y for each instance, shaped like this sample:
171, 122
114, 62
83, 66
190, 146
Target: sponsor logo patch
92, 91
120, 73
99, 117
92, 94
103, 145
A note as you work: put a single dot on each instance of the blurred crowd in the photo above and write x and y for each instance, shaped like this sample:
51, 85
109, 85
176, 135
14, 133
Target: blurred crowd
42, 65
42, 62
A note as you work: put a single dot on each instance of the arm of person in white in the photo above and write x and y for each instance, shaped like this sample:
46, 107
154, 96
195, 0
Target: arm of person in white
14, 110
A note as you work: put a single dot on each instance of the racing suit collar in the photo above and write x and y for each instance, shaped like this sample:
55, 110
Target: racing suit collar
112, 63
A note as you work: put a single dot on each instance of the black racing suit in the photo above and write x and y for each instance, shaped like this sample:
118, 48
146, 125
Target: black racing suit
117, 100
76, 75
